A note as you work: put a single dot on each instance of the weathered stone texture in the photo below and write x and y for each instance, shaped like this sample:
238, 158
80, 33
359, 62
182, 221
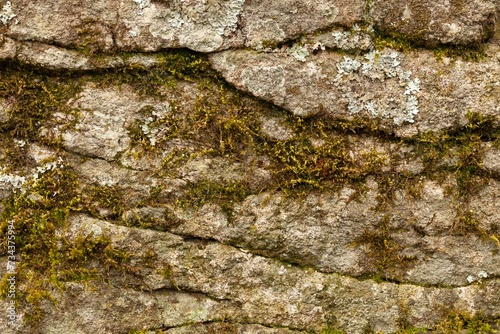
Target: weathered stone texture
208, 26
409, 93
300, 166
437, 22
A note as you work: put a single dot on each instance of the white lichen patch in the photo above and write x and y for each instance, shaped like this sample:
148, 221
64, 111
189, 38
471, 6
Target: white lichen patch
355, 38
151, 126
480, 275
299, 52
413, 86
142, 4
175, 20
352, 106
383, 68
15, 181
348, 65
7, 13
198, 25
18, 182
50, 166
20, 142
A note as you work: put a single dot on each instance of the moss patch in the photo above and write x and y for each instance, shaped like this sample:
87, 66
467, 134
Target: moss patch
47, 258
405, 44
383, 251
34, 95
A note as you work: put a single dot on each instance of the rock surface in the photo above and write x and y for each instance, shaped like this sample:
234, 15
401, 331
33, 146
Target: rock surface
324, 166
437, 22
409, 93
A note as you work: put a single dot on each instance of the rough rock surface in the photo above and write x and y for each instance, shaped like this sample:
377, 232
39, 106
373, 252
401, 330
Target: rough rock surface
436, 22
324, 166
410, 93
207, 26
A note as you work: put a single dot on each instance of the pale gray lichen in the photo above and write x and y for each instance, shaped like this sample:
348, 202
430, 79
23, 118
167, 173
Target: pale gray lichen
370, 107
20, 142
198, 25
482, 274
410, 111
380, 66
7, 13
222, 17
176, 21
50, 166
412, 86
348, 65
150, 127
18, 182
318, 46
142, 4
352, 106
299, 52
340, 38
15, 181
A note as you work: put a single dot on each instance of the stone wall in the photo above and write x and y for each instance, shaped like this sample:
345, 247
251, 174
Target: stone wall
232, 166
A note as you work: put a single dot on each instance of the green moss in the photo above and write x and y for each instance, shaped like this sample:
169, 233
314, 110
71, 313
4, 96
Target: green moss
389, 184
13, 157
225, 194
466, 222
35, 96
404, 43
454, 321
175, 159
383, 251
224, 123
329, 330
96, 198
91, 37
48, 259
461, 321
474, 54
464, 145
394, 41
172, 65
269, 44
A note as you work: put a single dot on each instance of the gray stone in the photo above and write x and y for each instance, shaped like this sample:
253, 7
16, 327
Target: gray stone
409, 93
4, 111
153, 25
491, 160
335, 236
101, 131
276, 293
267, 23
437, 22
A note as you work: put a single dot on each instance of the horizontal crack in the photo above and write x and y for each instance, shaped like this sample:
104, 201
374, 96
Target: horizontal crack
364, 277
234, 322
